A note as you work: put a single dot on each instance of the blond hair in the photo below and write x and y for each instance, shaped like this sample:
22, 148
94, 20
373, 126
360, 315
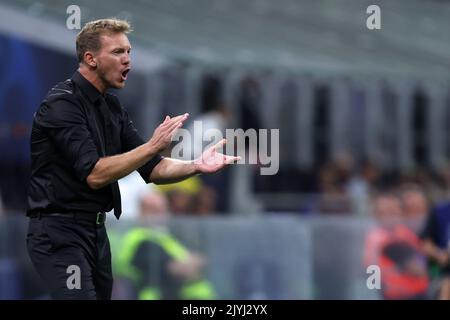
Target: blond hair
89, 37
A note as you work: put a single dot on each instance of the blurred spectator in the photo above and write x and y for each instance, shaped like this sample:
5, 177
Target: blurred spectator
362, 186
216, 117
415, 208
181, 195
204, 201
157, 264
250, 97
436, 238
397, 251
190, 196
131, 189
423, 179
358, 183
333, 198
443, 193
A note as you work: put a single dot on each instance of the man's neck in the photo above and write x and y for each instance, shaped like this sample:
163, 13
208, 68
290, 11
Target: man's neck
93, 78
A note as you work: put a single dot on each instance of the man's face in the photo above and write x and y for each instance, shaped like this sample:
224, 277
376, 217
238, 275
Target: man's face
113, 59
388, 210
415, 204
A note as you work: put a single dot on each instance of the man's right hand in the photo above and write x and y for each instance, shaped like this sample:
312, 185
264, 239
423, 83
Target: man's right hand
162, 137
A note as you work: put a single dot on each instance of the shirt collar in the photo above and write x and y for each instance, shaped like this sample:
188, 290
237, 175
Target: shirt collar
88, 88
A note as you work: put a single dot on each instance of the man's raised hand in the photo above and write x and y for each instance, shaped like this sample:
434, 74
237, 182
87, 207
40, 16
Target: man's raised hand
163, 134
212, 161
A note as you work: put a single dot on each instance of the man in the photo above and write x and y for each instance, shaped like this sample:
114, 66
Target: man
415, 208
82, 142
436, 244
397, 251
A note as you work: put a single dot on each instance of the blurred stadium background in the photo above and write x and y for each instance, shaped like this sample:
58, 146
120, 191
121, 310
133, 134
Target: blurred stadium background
359, 111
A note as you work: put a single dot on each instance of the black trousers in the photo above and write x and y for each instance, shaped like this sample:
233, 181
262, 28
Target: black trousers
72, 256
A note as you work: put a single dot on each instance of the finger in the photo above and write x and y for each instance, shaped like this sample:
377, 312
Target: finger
220, 144
174, 126
230, 159
181, 117
174, 121
166, 119
172, 135
168, 126
174, 129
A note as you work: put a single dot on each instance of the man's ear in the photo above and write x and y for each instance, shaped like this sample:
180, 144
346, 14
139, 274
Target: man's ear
89, 59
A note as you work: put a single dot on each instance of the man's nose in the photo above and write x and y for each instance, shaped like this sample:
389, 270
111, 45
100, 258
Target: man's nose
126, 59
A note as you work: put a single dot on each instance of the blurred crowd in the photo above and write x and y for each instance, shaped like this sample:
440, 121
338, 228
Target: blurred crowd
149, 262
409, 241
412, 209
335, 181
410, 244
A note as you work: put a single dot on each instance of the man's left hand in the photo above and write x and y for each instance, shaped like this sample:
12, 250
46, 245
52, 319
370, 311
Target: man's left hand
212, 161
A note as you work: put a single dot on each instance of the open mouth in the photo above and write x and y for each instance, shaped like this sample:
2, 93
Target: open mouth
125, 74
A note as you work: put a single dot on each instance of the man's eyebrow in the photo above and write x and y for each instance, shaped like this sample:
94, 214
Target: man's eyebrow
121, 48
